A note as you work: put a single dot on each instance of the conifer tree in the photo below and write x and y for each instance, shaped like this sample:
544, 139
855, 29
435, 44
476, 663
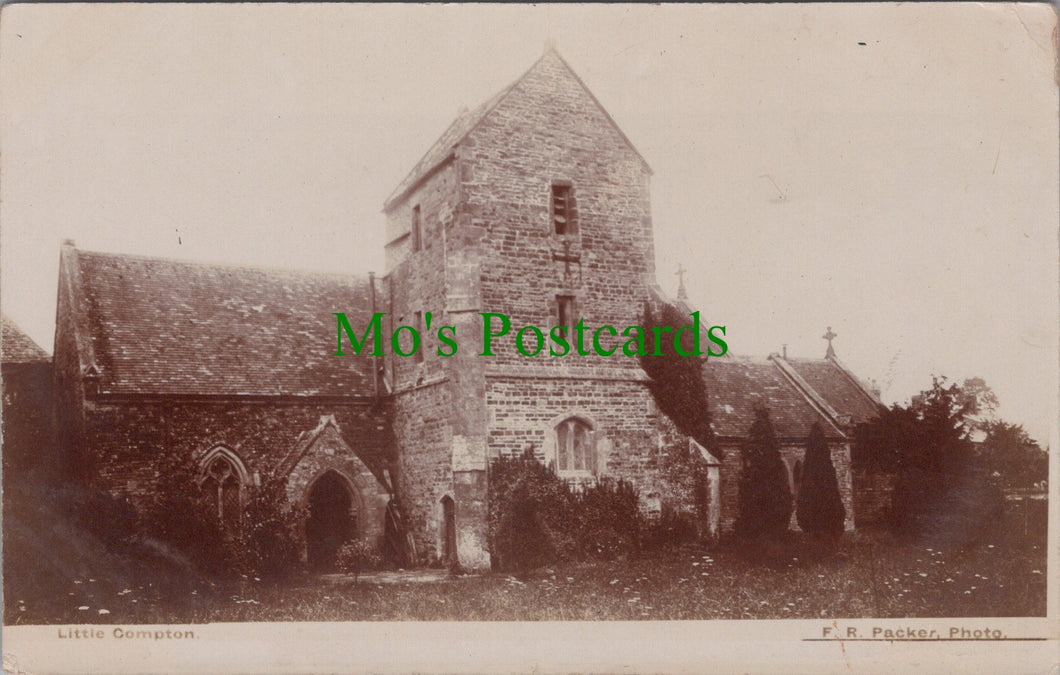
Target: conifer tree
820, 509
764, 495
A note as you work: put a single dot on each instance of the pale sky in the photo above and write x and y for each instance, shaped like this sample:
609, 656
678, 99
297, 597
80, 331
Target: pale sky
903, 191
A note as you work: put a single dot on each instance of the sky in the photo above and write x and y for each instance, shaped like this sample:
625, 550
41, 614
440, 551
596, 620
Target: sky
889, 171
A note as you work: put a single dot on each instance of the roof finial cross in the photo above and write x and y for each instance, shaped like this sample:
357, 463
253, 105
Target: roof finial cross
680, 273
830, 336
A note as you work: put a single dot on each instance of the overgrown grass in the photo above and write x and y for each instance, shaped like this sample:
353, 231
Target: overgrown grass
873, 575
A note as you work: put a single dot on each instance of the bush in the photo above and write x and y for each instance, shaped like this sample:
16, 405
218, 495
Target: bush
358, 556
530, 510
676, 382
269, 543
820, 510
608, 520
764, 495
535, 518
179, 517
673, 529
111, 518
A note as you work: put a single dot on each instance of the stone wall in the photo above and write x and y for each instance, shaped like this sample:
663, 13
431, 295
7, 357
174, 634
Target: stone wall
631, 437
423, 438
872, 490
28, 422
549, 128
125, 438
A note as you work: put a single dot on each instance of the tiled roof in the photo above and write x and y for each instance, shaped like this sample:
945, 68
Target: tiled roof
163, 326
837, 388
17, 347
736, 385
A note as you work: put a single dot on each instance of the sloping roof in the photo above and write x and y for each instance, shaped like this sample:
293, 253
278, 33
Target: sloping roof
451, 137
159, 326
464, 124
837, 387
737, 385
17, 347
327, 423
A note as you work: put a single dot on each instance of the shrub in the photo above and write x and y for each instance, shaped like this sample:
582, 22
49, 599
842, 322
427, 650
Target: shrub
535, 518
111, 518
269, 543
820, 510
180, 518
529, 514
673, 529
764, 495
608, 520
266, 543
676, 382
358, 556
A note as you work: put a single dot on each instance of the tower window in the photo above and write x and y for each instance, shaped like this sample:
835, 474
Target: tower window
563, 220
565, 311
417, 229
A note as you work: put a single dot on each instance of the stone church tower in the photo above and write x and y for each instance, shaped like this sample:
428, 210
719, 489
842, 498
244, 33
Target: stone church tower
535, 206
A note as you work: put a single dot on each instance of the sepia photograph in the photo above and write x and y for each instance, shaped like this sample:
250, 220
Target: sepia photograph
531, 338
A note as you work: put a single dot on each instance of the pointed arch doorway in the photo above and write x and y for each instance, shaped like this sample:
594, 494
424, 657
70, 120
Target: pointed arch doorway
331, 523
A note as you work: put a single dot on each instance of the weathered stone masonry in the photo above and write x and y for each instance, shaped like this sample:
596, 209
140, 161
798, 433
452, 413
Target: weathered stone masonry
534, 205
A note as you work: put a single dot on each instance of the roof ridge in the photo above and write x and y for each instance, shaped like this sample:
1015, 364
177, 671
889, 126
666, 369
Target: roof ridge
297, 271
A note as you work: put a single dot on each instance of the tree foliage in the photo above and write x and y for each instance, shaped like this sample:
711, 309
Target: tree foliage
820, 508
677, 383
764, 498
942, 490
1016, 457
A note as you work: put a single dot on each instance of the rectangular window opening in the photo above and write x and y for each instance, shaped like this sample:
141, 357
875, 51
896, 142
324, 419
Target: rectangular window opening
563, 221
417, 229
565, 312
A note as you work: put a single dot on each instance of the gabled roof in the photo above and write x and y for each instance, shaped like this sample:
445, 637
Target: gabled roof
17, 347
328, 424
160, 326
737, 385
839, 387
466, 123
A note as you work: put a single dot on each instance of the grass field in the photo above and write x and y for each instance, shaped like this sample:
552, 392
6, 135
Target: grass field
55, 575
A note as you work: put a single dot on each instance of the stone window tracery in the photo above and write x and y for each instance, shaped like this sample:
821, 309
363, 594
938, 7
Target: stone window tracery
575, 448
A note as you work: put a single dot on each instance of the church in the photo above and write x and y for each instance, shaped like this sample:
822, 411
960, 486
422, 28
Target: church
534, 205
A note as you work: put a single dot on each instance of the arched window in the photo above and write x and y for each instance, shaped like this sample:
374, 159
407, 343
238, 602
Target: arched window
575, 451
222, 482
